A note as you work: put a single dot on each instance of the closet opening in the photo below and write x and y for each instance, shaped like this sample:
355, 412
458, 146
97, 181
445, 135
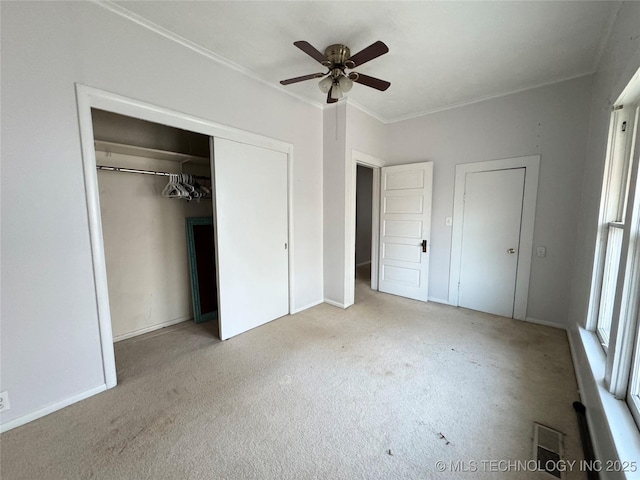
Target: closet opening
364, 224
155, 192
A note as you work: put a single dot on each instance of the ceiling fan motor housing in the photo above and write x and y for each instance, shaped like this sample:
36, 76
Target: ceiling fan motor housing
338, 55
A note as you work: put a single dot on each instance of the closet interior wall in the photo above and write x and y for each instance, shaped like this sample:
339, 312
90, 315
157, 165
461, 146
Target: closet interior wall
144, 233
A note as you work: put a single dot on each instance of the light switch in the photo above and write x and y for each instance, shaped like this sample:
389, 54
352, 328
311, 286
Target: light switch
448, 221
541, 251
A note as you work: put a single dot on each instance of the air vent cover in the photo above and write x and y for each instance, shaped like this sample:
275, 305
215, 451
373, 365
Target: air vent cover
547, 449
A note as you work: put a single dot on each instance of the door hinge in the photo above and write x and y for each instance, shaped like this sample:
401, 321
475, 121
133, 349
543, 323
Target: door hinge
285, 246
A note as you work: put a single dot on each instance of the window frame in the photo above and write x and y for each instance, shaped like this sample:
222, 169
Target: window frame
613, 206
618, 369
608, 214
620, 208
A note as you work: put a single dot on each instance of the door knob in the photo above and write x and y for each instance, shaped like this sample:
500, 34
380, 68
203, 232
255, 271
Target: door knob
424, 246
511, 250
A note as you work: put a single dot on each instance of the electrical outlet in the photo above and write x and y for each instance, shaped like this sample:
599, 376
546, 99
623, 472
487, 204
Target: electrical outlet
541, 251
448, 221
4, 401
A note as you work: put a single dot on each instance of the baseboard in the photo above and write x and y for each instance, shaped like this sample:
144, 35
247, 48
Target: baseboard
151, 328
335, 304
363, 264
51, 408
306, 307
439, 300
546, 323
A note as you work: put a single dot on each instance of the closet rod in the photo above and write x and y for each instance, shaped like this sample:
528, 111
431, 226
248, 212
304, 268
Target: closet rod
146, 172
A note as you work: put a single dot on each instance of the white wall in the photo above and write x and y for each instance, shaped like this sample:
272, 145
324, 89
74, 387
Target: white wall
334, 126
50, 348
346, 128
145, 245
620, 60
365, 133
550, 121
363, 214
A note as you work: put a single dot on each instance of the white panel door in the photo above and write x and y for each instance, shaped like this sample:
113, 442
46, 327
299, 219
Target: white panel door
490, 240
405, 223
251, 235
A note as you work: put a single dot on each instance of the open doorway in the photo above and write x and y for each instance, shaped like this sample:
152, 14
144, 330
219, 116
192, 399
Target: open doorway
244, 163
364, 211
155, 193
363, 193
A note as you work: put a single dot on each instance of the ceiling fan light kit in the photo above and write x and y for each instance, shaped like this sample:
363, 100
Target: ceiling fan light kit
336, 91
325, 84
337, 58
345, 83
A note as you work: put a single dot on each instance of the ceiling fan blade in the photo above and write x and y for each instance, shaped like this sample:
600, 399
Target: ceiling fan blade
312, 51
329, 99
372, 51
372, 82
289, 81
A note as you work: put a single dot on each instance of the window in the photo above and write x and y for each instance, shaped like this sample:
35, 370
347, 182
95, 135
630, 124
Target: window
614, 309
629, 321
614, 204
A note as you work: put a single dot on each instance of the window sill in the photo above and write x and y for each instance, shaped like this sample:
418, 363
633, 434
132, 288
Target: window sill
623, 430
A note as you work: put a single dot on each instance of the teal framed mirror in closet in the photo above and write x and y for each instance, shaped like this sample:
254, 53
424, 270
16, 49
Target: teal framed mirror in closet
202, 268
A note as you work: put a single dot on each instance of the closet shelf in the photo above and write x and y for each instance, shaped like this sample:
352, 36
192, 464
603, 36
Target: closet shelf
112, 147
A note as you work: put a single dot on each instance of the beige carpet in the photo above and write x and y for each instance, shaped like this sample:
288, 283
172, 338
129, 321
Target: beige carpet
382, 390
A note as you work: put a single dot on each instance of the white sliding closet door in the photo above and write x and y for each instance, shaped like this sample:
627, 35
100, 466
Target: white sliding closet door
251, 235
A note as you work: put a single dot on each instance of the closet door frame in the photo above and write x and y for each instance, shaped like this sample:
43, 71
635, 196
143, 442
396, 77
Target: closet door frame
88, 98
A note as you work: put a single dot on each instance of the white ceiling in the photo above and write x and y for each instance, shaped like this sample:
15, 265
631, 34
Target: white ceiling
441, 53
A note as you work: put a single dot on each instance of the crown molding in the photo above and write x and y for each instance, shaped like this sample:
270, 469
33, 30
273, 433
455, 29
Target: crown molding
452, 106
143, 22
364, 109
486, 97
196, 47
347, 100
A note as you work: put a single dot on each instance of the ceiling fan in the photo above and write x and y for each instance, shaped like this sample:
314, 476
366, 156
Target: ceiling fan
337, 58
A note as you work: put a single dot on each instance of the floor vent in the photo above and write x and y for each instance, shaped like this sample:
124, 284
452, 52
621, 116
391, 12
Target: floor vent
547, 449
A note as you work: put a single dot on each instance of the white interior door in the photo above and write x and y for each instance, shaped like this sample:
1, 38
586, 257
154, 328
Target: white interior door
405, 224
490, 240
251, 229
